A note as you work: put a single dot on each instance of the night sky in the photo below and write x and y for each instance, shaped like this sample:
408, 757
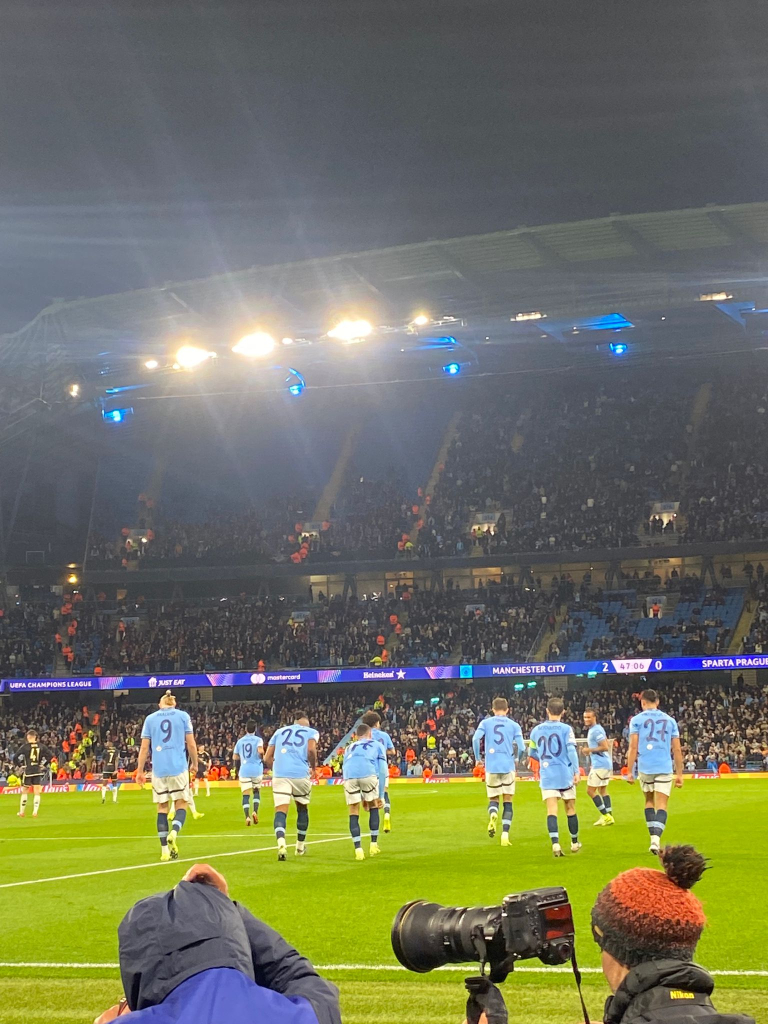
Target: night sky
146, 142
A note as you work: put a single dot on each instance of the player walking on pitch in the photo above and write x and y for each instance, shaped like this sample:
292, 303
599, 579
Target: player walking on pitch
168, 734
654, 741
109, 772
600, 767
203, 767
34, 758
553, 745
373, 720
292, 755
249, 754
365, 773
503, 741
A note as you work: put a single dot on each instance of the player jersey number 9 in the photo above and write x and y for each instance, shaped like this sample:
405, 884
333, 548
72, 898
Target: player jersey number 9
166, 730
299, 735
550, 746
248, 750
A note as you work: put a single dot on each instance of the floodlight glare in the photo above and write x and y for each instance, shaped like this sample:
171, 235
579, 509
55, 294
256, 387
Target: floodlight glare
151, 364
74, 390
351, 330
255, 345
190, 356
421, 320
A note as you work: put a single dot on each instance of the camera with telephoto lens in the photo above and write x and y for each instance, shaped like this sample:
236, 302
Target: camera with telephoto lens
536, 923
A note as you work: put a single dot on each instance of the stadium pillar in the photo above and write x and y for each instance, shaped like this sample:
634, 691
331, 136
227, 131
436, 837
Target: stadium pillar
350, 586
612, 574
708, 566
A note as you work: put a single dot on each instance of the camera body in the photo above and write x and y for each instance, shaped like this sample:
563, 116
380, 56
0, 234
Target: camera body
536, 923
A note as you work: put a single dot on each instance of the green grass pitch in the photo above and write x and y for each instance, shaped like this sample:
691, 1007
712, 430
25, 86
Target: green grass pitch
338, 911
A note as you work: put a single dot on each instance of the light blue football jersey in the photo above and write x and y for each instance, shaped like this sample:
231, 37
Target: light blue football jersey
364, 757
655, 731
383, 738
291, 743
503, 740
556, 752
247, 749
595, 737
167, 730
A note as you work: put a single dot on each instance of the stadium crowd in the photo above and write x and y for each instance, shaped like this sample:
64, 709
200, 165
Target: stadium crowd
564, 466
432, 734
726, 493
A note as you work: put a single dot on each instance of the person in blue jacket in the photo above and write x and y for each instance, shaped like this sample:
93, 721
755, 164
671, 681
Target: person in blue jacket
194, 955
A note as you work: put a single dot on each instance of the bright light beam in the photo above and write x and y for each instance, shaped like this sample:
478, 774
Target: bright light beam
255, 346
351, 330
190, 356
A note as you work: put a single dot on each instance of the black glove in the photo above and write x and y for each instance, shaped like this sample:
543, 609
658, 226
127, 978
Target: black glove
485, 998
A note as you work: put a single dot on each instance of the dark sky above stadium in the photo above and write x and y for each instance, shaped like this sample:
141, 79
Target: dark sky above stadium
153, 141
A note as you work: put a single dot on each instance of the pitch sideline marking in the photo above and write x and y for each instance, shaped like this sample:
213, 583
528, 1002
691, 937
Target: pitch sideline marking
137, 839
154, 863
375, 967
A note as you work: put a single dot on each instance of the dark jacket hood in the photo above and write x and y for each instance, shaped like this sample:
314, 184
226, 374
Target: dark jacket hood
168, 938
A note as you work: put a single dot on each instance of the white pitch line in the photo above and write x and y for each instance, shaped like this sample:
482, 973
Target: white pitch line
155, 863
459, 968
140, 839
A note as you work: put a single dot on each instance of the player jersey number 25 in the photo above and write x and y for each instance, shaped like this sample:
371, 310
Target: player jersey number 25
299, 737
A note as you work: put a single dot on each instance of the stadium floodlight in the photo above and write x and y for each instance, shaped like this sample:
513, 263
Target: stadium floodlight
189, 357
618, 348
255, 346
715, 296
72, 578
151, 364
452, 369
351, 330
287, 341
533, 315
74, 390
420, 321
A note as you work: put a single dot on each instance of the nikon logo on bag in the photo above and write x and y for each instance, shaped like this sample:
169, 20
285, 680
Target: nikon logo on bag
676, 993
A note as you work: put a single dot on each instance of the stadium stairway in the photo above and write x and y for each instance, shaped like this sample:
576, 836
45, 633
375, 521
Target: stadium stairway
547, 637
331, 490
743, 627
442, 454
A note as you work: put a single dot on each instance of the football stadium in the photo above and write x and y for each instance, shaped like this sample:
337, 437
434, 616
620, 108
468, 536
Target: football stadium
482, 483
383, 513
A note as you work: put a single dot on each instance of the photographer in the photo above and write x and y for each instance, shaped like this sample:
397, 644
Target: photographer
194, 955
647, 924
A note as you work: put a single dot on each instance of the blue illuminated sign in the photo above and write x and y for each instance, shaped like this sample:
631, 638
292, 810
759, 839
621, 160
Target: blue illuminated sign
308, 676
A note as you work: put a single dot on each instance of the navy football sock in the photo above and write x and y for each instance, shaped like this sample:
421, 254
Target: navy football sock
280, 819
162, 828
373, 824
302, 822
506, 818
246, 805
179, 818
554, 835
597, 800
573, 827
354, 829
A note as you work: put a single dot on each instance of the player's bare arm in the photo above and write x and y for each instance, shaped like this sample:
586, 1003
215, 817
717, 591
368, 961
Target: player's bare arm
141, 777
312, 753
631, 758
269, 756
192, 751
677, 755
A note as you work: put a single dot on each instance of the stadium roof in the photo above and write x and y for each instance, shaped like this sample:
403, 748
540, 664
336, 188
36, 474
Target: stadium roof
647, 259
636, 263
